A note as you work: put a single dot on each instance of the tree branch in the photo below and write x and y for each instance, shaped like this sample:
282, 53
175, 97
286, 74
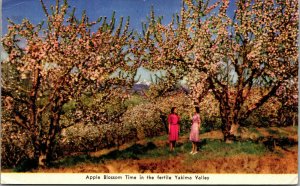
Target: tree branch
264, 99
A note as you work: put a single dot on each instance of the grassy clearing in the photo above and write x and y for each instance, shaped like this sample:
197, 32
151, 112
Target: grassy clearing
211, 149
215, 149
208, 149
158, 138
222, 149
133, 152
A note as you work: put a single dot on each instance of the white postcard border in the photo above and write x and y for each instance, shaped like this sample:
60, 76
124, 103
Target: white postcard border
100, 178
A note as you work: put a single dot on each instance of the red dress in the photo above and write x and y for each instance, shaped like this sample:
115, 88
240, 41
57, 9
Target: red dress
173, 120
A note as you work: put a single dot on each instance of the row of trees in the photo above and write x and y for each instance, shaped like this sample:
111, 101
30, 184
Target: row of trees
89, 67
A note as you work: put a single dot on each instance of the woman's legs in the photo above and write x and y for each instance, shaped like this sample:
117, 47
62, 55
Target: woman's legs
192, 147
195, 146
172, 145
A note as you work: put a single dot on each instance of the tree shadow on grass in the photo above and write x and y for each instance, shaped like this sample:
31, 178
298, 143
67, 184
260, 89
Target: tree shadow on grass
187, 146
133, 152
201, 143
284, 143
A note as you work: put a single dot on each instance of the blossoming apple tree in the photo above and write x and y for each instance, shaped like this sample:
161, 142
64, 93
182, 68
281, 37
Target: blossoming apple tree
229, 56
67, 61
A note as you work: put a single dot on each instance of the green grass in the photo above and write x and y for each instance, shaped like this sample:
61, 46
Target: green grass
208, 150
217, 148
158, 138
74, 160
160, 152
134, 152
255, 131
272, 132
277, 132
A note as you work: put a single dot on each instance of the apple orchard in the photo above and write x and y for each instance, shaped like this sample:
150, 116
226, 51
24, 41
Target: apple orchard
69, 87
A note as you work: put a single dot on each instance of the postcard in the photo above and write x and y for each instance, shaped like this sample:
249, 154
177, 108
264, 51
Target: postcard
149, 92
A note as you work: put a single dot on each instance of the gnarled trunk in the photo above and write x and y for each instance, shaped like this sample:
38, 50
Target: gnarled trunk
44, 142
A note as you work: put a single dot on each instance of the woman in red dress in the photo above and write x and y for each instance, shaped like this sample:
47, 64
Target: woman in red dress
173, 120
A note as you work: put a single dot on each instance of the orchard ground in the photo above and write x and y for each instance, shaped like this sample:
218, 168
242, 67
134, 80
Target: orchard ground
257, 150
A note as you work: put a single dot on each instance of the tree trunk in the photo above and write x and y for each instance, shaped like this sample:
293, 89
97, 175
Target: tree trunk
44, 143
39, 153
234, 129
230, 122
235, 123
42, 160
225, 117
36, 150
163, 118
53, 131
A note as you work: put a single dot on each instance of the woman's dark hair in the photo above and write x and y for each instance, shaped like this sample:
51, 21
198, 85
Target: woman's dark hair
173, 110
197, 109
